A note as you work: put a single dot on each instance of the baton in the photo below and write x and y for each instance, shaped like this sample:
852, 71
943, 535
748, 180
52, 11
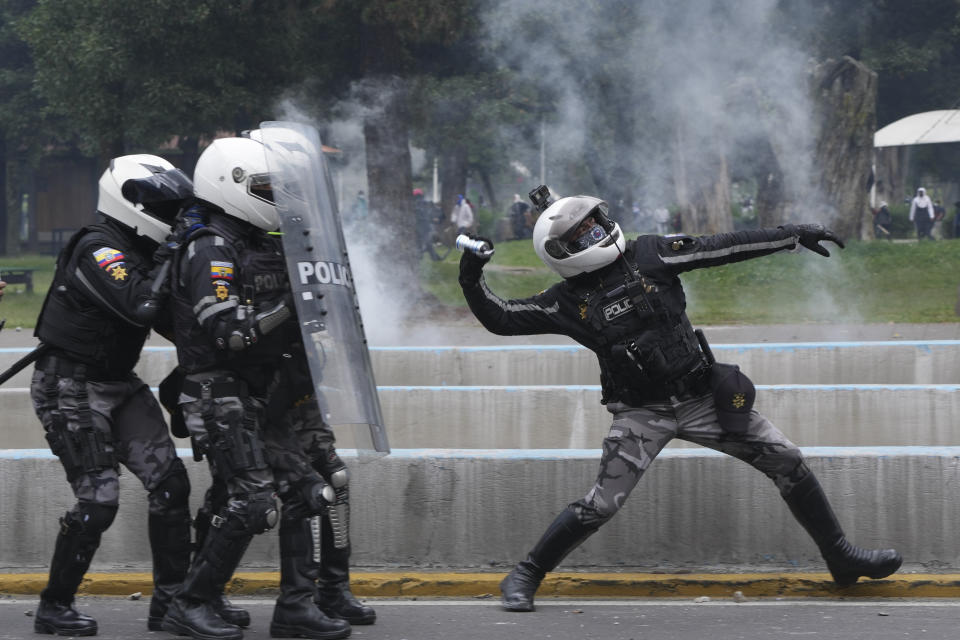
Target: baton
705, 346
20, 364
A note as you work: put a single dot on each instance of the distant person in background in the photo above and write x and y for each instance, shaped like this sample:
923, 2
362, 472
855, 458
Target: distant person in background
661, 215
462, 215
939, 213
3, 285
956, 219
881, 222
520, 220
922, 213
360, 207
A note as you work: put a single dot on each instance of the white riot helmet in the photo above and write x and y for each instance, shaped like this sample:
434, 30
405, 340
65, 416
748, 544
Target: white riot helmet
556, 241
143, 192
232, 174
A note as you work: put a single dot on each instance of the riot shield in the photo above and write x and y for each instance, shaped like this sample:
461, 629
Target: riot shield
322, 286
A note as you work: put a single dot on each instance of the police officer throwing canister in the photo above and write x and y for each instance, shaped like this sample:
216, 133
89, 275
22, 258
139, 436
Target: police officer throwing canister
231, 302
624, 301
96, 412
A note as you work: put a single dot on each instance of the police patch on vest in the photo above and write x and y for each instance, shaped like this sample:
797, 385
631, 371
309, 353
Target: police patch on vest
117, 271
265, 282
616, 309
221, 291
324, 273
221, 270
106, 256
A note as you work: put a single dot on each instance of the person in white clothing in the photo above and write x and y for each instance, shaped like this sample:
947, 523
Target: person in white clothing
922, 213
462, 215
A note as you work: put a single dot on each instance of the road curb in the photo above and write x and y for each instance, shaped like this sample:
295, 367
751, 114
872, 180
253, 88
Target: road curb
485, 585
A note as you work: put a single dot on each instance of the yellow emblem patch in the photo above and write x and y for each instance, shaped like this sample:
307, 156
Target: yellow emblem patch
738, 400
221, 292
118, 273
583, 310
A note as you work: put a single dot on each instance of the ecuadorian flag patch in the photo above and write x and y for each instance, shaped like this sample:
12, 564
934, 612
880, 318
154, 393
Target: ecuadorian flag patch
106, 257
221, 270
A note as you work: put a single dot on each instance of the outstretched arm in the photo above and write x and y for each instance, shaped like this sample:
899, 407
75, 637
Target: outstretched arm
684, 253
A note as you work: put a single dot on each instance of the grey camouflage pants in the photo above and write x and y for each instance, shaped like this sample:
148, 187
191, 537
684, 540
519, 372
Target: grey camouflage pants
638, 434
285, 468
131, 415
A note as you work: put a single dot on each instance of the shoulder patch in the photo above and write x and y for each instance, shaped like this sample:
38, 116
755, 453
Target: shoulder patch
106, 257
220, 270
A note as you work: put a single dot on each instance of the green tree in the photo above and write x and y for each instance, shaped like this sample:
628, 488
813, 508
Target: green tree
23, 128
129, 76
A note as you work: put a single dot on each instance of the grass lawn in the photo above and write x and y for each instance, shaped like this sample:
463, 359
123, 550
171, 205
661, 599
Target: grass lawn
867, 282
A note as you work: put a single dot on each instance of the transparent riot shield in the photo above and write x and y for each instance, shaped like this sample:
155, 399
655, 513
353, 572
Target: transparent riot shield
322, 285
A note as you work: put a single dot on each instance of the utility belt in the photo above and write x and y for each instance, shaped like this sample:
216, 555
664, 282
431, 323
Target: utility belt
66, 368
214, 388
692, 384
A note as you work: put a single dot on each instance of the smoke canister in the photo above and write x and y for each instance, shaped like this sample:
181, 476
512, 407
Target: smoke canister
479, 247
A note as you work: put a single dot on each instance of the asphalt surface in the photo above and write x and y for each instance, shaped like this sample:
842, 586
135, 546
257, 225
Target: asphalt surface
579, 619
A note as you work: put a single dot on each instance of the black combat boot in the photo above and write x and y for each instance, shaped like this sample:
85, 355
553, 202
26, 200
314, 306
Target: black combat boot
192, 611
335, 598
846, 562
170, 547
296, 614
565, 534
72, 554
222, 605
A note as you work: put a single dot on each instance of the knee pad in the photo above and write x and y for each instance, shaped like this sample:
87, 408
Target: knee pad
173, 491
330, 464
262, 514
90, 518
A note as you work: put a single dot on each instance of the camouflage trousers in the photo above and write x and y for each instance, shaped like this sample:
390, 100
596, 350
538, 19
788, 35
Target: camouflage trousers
131, 431
261, 458
639, 434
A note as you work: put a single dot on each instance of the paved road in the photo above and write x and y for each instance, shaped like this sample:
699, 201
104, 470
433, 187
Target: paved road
574, 619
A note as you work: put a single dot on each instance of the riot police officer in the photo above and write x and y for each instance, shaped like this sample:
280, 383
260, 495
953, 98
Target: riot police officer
231, 302
96, 412
297, 402
625, 302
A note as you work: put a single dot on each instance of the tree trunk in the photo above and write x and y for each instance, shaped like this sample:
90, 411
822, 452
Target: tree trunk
845, 98
771, 196
391, 184
453, 178
4, 196
702, 186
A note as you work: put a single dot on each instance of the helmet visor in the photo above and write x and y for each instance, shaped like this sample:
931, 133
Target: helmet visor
593, 229
261, 187
160, 194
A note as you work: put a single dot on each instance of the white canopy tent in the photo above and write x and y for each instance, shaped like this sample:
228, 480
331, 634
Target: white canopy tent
921, 128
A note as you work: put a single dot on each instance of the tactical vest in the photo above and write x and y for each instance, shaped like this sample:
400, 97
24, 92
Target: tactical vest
646, 341
79, 330
260, 281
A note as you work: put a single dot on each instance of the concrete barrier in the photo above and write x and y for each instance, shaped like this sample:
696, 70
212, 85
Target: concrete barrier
436, 509
905, 362
899, 362
572, 416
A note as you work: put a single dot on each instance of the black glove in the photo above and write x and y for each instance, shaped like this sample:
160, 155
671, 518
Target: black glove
471, 264
810, 236
183, 226
164, 252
